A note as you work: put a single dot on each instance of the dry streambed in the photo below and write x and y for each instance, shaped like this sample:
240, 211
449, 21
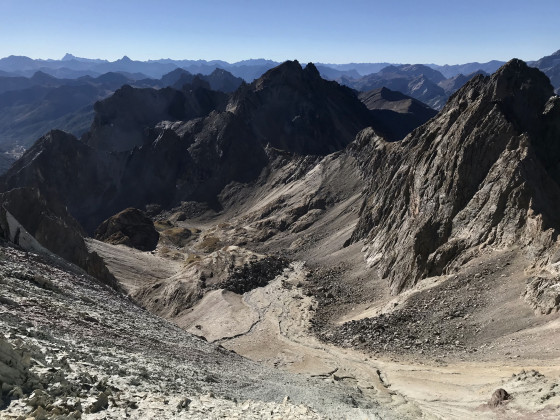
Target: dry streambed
461, 358
276, 332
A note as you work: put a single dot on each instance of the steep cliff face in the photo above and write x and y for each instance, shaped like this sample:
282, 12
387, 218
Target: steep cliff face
121, 121
37, 223
483, 173
59, 165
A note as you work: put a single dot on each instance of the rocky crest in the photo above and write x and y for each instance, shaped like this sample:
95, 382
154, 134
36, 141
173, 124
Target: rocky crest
293, 109
121, 121
166, 162
483, 173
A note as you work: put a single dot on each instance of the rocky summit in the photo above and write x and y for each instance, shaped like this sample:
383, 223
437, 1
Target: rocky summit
480, 174
290, 249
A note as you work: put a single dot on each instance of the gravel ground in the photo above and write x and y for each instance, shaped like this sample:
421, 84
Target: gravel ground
93, 353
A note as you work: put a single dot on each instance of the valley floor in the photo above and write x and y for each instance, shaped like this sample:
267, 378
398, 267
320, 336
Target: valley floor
496, 341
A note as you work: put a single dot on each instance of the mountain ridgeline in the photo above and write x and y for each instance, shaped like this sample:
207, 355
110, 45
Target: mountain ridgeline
483, 173
32, 106
131, 157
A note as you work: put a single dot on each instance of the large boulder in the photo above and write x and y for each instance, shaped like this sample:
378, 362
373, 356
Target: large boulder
130, 227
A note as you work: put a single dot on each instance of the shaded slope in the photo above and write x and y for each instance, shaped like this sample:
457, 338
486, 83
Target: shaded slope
395, 114
62, 167
121, 120
27, 113
550, 65
167, 162
37, 224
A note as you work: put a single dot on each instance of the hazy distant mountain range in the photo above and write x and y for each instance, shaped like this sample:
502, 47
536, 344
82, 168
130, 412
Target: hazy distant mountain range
73, 67
30, 107
39, 95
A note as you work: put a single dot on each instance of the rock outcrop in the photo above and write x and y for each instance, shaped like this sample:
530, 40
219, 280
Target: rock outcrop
122, 121
130, 227
15, 377
293, 109
543, 294
37, 223
483, 173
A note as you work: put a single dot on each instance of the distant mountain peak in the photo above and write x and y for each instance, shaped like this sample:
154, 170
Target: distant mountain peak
42, 76
312, 70
68, 57
291, 71
218, 71
125, 58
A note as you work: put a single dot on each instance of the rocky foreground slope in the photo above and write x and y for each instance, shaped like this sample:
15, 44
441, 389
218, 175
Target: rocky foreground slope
74, 348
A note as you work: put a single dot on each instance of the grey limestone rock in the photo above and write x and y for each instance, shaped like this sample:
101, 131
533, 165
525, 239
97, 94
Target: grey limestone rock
482, 173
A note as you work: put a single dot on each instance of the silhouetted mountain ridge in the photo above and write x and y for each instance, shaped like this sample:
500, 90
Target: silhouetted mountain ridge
166, 162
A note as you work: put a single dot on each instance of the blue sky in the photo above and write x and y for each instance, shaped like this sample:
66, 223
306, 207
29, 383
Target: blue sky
321, 31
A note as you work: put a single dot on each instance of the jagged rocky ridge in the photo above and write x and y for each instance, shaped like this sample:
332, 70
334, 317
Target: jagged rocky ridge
483, 173
289, 108
122, 121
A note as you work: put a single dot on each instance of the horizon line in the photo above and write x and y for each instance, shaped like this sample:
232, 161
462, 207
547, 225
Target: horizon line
261, 58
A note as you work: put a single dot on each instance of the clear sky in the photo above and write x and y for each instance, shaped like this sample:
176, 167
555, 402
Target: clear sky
339, 31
